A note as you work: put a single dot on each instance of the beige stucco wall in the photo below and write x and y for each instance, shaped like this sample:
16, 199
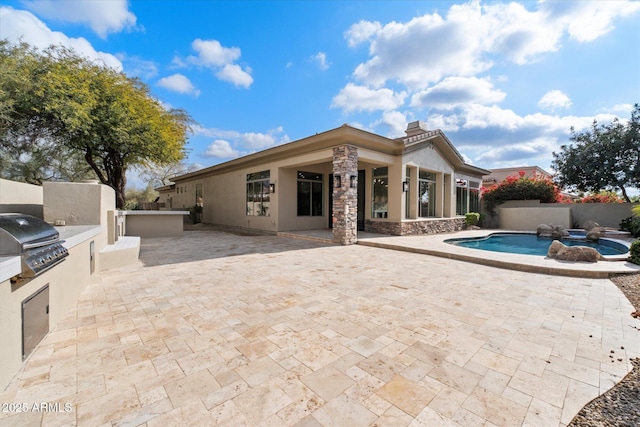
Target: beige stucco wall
66, 282
528, 219
224, 198
20, 197
605, 214
154, 223
80, 203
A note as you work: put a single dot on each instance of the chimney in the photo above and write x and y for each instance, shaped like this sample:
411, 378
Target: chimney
416, 128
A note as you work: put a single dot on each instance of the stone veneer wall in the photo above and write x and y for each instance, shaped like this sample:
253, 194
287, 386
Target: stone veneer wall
408, 228
345, 197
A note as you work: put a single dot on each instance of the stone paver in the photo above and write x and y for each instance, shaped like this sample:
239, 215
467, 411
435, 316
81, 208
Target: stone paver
220, 329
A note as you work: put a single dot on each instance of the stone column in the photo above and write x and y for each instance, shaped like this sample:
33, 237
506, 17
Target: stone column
345, 195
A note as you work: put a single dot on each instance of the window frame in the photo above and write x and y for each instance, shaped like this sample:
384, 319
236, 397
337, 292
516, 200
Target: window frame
316, 198
260, 180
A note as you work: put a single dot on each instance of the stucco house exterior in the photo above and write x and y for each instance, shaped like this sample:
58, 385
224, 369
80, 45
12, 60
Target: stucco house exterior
345, 179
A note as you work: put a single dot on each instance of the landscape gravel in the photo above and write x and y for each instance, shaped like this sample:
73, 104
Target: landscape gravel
619, 406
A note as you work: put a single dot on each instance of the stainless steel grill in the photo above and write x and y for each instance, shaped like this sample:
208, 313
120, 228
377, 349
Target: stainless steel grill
37, 243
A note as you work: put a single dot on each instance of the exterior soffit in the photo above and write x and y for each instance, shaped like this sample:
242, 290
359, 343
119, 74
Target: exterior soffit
344, 135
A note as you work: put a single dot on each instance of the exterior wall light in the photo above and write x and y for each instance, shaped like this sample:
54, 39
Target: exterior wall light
272, 187
405, 186
353, 181
337, 181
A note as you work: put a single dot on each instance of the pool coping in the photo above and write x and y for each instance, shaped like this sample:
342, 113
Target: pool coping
435, 245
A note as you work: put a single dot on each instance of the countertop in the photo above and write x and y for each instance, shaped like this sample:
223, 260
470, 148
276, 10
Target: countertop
72, 235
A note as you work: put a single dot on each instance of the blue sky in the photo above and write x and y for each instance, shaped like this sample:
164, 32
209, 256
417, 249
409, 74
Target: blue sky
504, 80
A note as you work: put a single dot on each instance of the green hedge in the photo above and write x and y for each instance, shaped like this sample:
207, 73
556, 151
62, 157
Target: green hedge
634, 252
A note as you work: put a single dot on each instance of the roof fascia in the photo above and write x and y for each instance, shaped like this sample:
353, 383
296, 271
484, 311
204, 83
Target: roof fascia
343, 135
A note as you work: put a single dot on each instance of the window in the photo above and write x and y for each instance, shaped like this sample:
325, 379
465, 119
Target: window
310, 193
462, 194
407, 195
199, 194
258, 194
427, 194
474, 196
380, 190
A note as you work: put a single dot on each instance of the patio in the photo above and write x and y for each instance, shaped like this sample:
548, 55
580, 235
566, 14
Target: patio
221, 329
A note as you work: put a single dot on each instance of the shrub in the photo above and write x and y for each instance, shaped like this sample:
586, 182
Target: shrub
634, 252
632, 225
521, 187
602, 197
472, 218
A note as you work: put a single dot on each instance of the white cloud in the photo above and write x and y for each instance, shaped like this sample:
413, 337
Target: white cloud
212, 53
321, 59
220, 59
495, 137
232, 73
244, 143
361, 98
471, 37
18, 24
178, 83
454, 91
136, 66
394, 122
220, 149
360, 32
621, 108
586, 21
554, 100
103, 17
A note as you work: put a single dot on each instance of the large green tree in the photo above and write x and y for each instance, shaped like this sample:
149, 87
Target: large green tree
76, 105
605, 157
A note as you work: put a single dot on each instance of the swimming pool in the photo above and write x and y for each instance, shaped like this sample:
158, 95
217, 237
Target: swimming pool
531, 244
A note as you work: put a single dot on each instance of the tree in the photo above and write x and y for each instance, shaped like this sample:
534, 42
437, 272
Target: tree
606, 157
160, 174
109, 119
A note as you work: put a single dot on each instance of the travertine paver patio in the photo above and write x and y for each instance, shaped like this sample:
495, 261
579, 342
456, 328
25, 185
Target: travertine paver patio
220, 329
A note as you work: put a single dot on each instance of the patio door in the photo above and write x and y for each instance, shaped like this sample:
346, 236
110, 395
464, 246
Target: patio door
361, 190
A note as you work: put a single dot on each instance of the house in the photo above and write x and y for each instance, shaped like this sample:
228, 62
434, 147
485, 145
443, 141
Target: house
345, 179
498, 175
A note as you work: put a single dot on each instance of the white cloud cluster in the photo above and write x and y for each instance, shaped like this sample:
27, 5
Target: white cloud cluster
178, 83
441, 63
20, 24
361, 98
466, 40
229, 144
553, 100
321, 59
221, 149
456, 91
103, 17
211, 54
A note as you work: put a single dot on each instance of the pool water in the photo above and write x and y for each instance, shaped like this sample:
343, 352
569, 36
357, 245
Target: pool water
531, 244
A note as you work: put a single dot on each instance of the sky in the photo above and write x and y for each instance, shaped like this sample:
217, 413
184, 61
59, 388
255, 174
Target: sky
504, 80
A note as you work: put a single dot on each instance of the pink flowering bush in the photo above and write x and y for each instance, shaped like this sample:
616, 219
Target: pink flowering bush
521, 187
602, 197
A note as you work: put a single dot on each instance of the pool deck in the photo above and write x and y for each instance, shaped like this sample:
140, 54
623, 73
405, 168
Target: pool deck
217, 329
435, 245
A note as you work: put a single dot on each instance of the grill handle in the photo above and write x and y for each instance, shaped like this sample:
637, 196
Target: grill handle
40, 243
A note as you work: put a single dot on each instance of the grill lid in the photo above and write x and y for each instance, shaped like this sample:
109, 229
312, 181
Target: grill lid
36, 242
20, 229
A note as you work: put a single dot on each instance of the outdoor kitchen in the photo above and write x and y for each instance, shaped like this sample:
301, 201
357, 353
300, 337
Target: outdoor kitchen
48, 257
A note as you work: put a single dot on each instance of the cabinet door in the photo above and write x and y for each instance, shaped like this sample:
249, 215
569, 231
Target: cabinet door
35, 320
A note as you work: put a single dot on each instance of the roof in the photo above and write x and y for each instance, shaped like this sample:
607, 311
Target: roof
344, 134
